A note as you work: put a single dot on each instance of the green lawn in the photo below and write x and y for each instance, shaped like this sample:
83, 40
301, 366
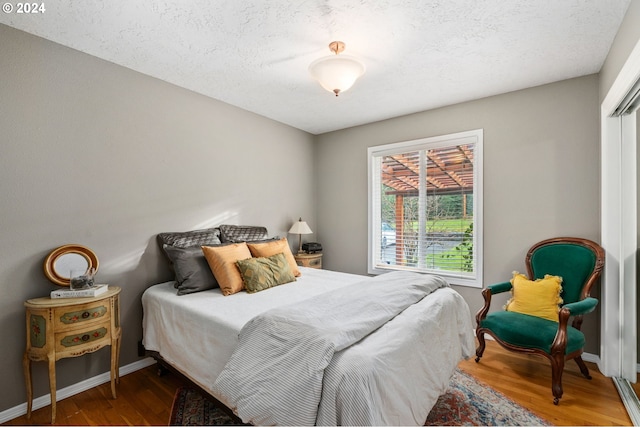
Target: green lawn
440, 261
444, 225
449, 224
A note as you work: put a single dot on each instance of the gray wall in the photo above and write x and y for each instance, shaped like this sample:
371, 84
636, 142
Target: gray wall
99, 155
541, 177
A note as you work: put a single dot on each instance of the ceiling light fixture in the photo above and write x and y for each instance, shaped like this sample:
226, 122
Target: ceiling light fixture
337, 73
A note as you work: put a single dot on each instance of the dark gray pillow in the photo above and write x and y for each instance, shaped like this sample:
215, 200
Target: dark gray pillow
242, 233
193, 273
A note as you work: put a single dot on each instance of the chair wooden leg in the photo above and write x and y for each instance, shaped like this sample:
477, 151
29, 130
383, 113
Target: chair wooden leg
481, 346
557, 367
583, 367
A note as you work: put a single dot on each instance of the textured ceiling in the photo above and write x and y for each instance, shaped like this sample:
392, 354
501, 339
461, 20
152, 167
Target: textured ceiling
419, 54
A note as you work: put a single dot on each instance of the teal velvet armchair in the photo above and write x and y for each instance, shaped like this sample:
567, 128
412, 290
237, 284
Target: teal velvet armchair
579, 262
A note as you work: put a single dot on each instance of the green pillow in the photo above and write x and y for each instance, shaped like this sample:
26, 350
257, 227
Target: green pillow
263, 273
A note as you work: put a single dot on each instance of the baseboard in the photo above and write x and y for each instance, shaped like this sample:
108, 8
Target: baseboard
593, 358
74, 389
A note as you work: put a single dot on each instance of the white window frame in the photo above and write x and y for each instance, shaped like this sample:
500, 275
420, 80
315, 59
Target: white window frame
374, 153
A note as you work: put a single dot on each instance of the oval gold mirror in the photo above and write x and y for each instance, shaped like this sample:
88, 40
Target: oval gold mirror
60, 262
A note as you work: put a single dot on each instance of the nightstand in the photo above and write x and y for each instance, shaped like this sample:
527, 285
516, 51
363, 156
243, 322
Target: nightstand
309, 260
71, 327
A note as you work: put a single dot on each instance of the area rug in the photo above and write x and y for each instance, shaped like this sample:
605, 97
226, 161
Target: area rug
467, 402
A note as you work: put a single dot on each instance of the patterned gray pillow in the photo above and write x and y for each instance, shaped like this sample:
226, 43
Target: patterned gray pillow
241, 233
189, 239
193, 273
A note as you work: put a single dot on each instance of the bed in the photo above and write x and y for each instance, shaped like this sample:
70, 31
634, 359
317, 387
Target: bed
329, 348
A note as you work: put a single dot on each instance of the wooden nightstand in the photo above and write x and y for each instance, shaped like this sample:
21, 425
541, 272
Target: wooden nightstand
309, 260
71, 327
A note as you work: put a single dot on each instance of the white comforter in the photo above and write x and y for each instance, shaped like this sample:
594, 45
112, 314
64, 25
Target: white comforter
376, 352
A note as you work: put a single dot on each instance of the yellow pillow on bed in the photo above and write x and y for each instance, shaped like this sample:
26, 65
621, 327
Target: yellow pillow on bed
540, 298
266, 249
222, 261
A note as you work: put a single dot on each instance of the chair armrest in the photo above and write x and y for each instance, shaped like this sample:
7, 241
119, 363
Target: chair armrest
499, 288
576, 309
584, 306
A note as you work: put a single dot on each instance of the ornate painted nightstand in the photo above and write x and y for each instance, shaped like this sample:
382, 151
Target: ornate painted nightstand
71, 327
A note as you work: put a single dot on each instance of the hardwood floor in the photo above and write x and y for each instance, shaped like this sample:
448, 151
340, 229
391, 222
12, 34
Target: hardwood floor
526, 379
145, 399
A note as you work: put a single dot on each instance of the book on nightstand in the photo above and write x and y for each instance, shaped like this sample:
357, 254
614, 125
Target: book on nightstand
93, 291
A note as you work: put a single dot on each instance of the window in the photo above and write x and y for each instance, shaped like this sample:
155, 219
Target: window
425, 207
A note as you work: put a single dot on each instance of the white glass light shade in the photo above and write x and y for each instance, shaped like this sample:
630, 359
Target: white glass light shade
336, 73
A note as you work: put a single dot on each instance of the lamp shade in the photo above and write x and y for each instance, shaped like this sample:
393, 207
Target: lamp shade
336, 73
300, 227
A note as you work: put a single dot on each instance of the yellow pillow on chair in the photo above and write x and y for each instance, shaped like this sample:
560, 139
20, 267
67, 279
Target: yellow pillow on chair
539, 297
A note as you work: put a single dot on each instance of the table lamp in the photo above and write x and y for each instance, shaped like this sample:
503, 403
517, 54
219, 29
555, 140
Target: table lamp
300, 228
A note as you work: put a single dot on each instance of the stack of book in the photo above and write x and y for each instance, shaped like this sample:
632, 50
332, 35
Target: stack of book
92, 291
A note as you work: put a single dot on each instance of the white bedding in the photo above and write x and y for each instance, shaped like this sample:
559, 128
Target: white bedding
200, 340
197, 332
425, 343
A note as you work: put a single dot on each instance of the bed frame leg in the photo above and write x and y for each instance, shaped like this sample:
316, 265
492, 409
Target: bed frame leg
162, 370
